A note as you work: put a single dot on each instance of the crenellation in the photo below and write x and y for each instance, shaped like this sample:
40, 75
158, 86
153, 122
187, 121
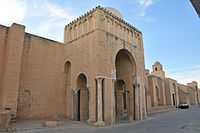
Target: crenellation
111, 20
77, 28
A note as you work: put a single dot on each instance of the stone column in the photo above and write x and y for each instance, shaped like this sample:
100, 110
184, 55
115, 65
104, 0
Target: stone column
100, 121
113, 102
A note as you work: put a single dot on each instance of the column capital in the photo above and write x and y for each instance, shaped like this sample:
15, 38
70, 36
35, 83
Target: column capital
100, 77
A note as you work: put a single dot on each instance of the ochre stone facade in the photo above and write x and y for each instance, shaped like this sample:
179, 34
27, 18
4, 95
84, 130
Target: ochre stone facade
96, 75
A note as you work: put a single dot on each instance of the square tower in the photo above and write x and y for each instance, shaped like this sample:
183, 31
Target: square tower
109, 52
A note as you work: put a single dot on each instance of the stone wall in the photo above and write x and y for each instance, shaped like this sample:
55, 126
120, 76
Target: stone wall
157, 90
172, 97
42, 92
183, 94
193, 89
168, 92
32, 78
192, 96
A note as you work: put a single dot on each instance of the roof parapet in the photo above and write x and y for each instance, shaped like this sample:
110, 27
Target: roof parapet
108, 12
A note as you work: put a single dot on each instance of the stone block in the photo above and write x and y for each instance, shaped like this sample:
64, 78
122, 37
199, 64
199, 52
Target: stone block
51, 124
5, 118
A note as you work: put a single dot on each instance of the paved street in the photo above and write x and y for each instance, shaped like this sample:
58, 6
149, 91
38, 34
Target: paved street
180, 121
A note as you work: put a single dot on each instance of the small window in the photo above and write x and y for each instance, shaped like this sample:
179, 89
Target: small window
7, 108
156, 69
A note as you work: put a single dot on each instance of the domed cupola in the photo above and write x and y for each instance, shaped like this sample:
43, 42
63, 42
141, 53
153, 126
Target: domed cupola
114, 12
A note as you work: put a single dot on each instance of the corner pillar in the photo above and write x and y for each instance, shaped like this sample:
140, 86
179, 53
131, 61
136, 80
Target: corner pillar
12, 67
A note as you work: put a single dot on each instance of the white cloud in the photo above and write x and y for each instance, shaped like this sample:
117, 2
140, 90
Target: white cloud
41, 17
47, 18
144, 5
187, 75
56, 11
51, 18
12, 11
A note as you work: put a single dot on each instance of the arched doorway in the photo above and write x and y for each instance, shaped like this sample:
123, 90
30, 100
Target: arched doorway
124, 86
81, 100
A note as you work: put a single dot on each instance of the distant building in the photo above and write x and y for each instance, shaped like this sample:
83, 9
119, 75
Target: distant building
164, 93
196, 4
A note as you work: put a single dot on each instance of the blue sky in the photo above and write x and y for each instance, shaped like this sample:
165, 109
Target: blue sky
171, 28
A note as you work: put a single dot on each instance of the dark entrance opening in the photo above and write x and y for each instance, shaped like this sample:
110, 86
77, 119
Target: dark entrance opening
78, 102
121, 98
173, 98
81, 99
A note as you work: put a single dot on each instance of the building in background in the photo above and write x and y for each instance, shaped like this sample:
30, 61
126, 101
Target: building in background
164, 93
196, 5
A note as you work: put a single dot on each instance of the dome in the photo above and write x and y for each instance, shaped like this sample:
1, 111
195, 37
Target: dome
114, 11
157, 63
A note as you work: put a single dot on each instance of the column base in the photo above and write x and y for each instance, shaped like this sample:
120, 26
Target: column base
100, 123
89, 121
